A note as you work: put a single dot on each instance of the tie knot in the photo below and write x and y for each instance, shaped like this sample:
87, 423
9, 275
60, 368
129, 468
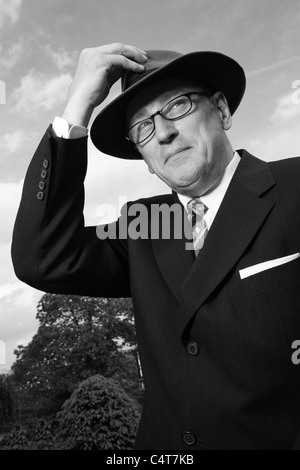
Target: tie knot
196, 211
197, 207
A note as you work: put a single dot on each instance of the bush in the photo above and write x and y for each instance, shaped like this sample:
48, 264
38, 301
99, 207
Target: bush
42, 435
15, 439
38, 435
98, 416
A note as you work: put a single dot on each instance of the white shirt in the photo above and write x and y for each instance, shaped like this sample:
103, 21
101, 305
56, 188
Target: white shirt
214, 199
61, 128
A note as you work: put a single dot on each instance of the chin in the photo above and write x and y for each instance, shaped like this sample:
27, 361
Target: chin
189, 178
184, 187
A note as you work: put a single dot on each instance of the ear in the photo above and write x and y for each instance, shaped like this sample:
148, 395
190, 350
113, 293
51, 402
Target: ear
223, 110
150, 170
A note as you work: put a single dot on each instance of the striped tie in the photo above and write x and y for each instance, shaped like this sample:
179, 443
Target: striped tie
196, 212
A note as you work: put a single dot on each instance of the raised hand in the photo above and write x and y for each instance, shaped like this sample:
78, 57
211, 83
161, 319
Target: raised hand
98, 69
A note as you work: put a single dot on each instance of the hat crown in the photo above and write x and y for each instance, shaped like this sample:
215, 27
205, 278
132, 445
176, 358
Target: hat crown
156, 60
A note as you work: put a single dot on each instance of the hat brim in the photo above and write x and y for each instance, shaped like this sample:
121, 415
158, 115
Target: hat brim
214, 70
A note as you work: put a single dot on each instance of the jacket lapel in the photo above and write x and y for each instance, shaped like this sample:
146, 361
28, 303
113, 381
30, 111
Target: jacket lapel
174, 260
240, 216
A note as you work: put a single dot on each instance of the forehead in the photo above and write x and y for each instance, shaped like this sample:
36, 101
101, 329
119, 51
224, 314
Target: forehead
157, 93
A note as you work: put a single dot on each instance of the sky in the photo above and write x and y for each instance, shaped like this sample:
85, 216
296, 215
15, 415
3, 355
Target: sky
40, 42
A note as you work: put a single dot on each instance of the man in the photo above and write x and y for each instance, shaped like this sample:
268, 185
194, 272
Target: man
216, 324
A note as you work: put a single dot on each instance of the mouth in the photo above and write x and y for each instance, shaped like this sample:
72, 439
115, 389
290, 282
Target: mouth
176, 152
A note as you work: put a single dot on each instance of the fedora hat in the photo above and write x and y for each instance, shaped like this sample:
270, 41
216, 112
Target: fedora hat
214, 70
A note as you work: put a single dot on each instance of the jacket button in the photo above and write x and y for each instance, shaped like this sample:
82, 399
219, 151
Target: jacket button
45, 163
42, 185
44, 174
192, 348
40, 195
189, 439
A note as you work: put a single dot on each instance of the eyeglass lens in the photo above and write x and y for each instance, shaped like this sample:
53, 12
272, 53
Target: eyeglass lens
174, 109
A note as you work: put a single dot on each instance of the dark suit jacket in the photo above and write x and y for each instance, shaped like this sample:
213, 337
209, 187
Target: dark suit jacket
215, 349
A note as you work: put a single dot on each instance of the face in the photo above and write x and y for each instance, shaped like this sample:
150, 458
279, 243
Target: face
191, 153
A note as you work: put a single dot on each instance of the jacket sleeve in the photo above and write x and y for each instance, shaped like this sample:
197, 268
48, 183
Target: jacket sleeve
51, 249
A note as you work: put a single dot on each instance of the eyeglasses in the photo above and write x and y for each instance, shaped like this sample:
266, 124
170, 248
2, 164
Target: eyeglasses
174, 109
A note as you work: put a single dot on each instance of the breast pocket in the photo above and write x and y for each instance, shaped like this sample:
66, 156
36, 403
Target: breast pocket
271, 279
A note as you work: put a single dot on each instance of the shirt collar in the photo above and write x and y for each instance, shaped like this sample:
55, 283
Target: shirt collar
214, 199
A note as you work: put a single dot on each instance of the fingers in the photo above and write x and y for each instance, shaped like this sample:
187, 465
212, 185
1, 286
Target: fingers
121, 58
134, 53
128, 64
130, 52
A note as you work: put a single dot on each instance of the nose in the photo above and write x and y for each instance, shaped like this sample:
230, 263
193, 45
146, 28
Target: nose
165, 130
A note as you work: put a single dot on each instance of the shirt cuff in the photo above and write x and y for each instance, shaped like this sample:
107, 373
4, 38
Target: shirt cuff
61, 128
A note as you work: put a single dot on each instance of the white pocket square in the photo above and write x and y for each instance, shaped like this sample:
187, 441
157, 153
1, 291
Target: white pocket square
258, 268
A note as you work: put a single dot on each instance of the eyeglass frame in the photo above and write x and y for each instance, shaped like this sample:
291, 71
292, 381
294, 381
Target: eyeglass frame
188, 95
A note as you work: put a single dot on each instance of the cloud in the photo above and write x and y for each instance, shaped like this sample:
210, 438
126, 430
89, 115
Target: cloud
10, 287
278, 142
17, 321
9, 10
13, 141
61, 57
274, 66
10, 57
39, 91
286, 109
17, 306
9, 202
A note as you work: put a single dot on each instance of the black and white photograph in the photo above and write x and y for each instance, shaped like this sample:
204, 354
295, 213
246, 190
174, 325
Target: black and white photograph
150, 227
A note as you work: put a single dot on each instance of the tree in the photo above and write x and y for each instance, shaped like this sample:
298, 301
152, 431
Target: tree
98, 416
6, 402
78, 337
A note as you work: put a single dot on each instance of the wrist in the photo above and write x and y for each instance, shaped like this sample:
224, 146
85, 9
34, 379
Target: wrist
78, 114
